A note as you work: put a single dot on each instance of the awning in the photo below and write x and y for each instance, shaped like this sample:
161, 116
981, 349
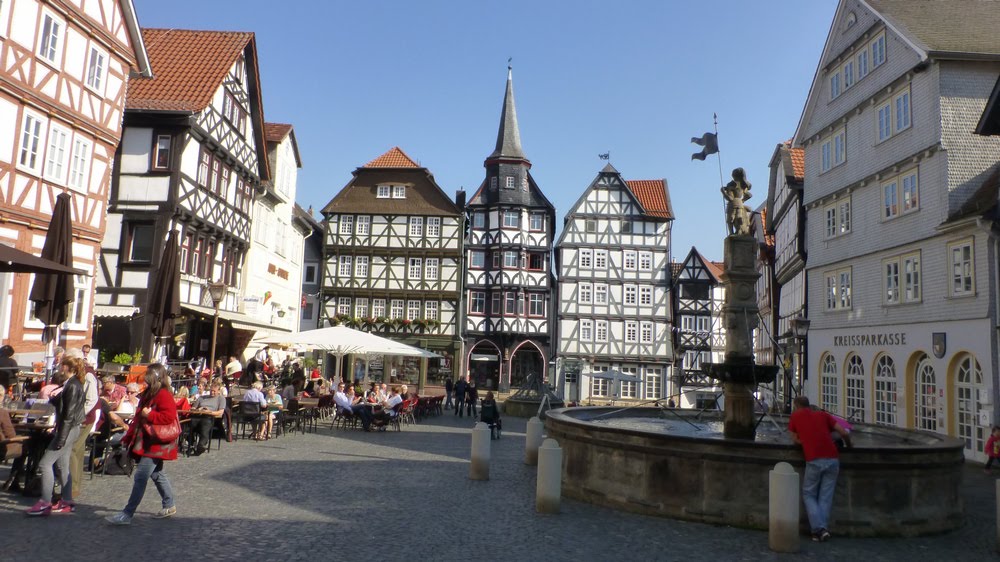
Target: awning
236, 319
114, 311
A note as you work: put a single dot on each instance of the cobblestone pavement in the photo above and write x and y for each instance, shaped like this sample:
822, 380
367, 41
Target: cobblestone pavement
398, 496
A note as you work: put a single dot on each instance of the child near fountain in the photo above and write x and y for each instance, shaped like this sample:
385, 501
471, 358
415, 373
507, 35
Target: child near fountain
992, 448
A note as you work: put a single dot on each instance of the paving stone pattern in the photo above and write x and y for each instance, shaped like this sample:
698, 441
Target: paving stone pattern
401, 496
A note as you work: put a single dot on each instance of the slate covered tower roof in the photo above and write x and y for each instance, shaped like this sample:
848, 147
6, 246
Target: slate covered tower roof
508, 136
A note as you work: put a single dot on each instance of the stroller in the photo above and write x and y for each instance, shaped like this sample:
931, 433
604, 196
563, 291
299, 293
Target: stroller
490, 415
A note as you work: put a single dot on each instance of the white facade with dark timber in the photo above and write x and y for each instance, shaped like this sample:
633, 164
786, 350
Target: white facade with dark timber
699, 334
192, 157
508, 279
613, 258
64, 67
393, 266
902, 292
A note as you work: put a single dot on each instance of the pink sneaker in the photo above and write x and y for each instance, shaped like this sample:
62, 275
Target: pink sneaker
63, 507
41, 507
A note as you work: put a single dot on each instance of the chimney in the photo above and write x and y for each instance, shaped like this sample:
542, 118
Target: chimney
460, 198
310, 211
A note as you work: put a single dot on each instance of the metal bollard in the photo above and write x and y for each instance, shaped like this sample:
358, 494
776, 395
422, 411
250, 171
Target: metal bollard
480, 467
532, 440
783, 509
548, 491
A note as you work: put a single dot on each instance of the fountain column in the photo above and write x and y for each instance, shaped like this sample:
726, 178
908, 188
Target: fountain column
739, 314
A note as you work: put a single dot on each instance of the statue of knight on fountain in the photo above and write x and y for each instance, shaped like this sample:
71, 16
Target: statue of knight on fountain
736, 193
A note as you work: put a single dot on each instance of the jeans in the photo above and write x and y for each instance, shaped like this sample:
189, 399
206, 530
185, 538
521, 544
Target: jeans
448, 403
459, 405
470, 407
817, 491
146, 469
58, 460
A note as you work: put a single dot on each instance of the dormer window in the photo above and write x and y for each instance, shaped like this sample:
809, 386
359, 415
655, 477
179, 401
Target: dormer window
524, 183
382, 192
510, 182
399, 192
493, 182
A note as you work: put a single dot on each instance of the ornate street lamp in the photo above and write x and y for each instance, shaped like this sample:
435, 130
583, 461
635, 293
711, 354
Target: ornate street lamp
218, 292
800, 329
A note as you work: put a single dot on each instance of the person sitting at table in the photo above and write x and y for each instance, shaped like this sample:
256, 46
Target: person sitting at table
201, 426
404, 391
223, 389
8, 367
254, 394
111, 391
10, 450
291, 392
52, 388
320, 388
130, 401
181, 399
385, 416
274, 405
109, 422
346, 401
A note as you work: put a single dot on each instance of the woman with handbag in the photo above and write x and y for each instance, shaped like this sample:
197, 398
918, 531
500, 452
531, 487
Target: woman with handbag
152, 439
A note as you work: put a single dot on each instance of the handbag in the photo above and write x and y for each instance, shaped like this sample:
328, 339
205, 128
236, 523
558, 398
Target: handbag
163, 433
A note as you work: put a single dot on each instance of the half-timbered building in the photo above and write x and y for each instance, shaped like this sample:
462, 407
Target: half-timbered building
614, 305
509, 282
699, 334
192, 157
64, 67
393, 266
274, 261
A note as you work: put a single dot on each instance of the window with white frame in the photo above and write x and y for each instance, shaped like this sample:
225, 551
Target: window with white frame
833, 150
431, 267
601, 294
963, 280
399, 192
509, 182
645, 261
536, 304
477, 259
79, 164
862, 60
510, 303
57, 154
692, 360
885, 391
629, 388
396, 308
586, 259
910, 192
601, 331
344, 306
586, 293
536, 222
431, 310
586, 330
510, 259
378, 308
50, 40
361, 267
383, 191
645, 295
479, 220
838, 289
630, 261
600, 259
364, 227
346, 224
600, 387
416, 226
414, 269
32, 136
361, 308
838, 218
97, 67
646, 332
687, 323
848, 72
878, 50
890, 199
703, 324
891, 281
925, 397
901, 116
834, 85
346, 266
654, 383
884, 117
412, 310
77, 316
829, 387
433, 227
511, 219
854, 383
631, 294
631, 331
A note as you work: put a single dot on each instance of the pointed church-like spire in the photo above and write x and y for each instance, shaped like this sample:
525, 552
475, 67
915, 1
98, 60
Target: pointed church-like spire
508, 137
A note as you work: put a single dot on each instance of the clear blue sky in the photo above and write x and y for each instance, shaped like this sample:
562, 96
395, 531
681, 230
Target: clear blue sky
638, 79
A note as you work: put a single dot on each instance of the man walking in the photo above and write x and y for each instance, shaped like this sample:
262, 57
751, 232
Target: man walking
460, 387
812, 429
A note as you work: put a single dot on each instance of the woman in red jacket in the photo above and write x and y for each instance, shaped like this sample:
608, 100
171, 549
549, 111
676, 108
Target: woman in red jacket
156, 407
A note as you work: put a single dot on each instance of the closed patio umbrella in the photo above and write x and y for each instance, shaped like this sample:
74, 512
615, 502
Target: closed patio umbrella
164, 298
52, 292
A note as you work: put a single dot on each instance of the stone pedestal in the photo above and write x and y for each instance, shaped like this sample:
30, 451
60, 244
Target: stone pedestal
740, 316
739, 419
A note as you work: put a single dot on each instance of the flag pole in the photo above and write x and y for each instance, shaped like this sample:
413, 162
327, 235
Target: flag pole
718, 156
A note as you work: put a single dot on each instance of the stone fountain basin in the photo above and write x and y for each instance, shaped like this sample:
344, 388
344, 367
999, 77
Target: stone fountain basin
894, 482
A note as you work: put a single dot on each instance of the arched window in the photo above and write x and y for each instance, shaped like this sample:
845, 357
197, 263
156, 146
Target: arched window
885, 391
855, 383
828, 385
968, 381
925, 396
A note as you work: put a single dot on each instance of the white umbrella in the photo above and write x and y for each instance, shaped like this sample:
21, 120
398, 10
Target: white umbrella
341, 341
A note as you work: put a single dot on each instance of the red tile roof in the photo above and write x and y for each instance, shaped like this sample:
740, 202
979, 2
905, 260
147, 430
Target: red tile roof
394, 158
715, 268
798, 162
652, 194
276, 132
188, 67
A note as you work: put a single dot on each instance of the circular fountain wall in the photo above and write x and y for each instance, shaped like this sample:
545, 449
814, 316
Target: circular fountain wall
676, 463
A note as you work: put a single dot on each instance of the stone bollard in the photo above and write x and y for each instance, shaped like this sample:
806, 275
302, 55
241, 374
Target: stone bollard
532, 440
480, 467
548, 491
783, 509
